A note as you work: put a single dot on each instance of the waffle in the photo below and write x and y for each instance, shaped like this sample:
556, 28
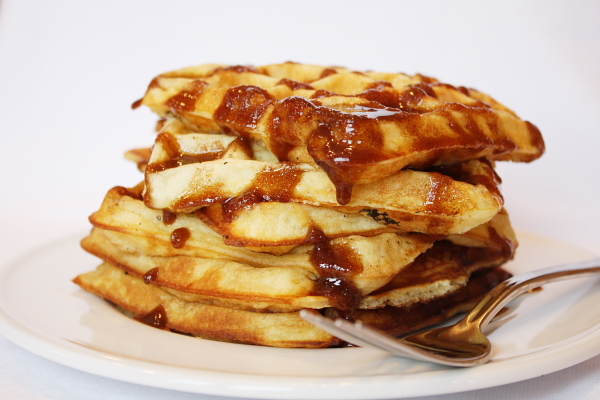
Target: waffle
272, 189
357, 128
159, 309
261, 281
415, 200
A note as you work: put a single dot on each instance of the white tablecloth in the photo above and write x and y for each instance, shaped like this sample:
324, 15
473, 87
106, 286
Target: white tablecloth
69, 71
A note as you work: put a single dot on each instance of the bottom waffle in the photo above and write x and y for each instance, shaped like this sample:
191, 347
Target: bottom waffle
154, 306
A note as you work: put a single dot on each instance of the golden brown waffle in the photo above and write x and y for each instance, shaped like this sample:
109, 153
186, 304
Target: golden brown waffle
357, 128
188, 171
155, 307
373, 260
437, 272
204, 269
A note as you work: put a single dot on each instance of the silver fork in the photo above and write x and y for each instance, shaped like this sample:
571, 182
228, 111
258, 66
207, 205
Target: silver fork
462, 344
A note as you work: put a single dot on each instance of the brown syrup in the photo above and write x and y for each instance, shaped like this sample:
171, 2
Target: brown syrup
340, 141
246, 146
411, 99
179, 237
272, 184
321, 93
326, 72
291, 120
205, 199
185, 101
343, 189
438, 195
507, 246
156, 318
295, 85
137, 104
347, 141
241, 109
182, 159
151, 276
382, 92
155, 83
169, 217
344, 141
337, 265
176, 157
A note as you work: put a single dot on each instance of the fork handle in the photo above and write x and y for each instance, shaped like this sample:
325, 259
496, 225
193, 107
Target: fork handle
513, 287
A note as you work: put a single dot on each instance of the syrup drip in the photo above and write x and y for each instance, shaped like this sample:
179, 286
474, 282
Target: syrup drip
337, 265
507, 246
137, 104
241, 109
156, 318
179, 237
151, 276
169, 217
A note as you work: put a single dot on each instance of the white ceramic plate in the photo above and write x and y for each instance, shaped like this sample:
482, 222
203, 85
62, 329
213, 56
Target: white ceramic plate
42, 311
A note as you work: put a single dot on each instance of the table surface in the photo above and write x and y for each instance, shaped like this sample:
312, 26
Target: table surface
70, 70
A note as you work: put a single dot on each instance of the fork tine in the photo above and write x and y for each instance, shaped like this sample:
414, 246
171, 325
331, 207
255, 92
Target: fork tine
361, 335
336, 328
383, 341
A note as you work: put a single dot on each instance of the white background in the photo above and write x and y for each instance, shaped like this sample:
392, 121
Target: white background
69, 71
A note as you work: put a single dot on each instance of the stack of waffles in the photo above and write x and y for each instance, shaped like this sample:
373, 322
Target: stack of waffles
268, 190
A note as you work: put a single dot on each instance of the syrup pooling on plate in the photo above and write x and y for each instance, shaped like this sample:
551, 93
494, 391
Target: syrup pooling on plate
276, 188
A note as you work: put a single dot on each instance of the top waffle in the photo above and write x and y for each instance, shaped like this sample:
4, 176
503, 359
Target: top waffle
358, 127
